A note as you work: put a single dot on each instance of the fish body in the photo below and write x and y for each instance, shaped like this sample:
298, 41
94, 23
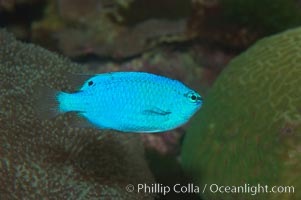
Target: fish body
132, 102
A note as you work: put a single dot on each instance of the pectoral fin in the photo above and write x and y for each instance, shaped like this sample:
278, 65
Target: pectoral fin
156, 111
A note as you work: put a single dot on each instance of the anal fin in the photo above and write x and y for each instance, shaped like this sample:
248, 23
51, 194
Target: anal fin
78, 120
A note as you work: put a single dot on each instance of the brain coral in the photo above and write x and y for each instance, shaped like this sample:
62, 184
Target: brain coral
249, 129
48, 159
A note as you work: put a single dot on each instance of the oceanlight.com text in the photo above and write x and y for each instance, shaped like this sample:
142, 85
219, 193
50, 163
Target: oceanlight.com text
249, 189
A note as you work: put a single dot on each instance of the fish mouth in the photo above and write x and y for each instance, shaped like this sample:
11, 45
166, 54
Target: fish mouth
200, 99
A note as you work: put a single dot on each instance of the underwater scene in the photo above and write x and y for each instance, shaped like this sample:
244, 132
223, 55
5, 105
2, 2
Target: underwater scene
150, 99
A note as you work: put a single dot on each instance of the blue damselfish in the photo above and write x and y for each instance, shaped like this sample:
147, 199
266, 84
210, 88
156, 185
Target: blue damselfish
131, 102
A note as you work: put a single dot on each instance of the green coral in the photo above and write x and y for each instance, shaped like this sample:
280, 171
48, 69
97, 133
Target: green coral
249, 129
49, 159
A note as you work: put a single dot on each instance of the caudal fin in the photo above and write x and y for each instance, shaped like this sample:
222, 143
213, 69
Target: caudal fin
46, 103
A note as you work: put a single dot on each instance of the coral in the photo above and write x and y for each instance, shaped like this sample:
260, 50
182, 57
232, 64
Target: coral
248, 131
121, 42
50, 159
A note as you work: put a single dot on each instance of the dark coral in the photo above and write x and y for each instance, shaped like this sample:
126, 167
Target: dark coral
17, 16
49, 159
11, 5
265, 16
236, 24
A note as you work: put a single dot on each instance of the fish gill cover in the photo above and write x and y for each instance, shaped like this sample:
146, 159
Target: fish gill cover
46, 160
249, 129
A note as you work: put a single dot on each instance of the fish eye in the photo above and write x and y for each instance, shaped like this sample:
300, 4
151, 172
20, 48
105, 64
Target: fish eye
90, 83
194, 97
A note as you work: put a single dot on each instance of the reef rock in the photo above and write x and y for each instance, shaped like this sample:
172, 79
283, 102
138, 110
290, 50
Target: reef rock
116, 28
249, 129
50, 159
